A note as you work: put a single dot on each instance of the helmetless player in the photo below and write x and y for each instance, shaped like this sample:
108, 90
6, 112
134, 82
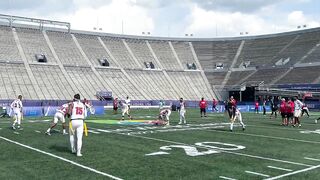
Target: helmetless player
165, 115
16, 110
125, 108
59, 116
78, 113
182, 112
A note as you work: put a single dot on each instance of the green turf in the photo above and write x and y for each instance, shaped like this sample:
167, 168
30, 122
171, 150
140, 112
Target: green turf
121, 150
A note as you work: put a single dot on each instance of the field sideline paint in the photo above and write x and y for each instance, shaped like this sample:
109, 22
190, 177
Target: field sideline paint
61, 158
295, 172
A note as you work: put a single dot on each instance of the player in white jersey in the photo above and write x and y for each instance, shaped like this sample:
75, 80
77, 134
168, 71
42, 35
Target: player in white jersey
78, 113
125, 110
182, 112
16, 111
59, 116
297, 111
128, 102
238, 116
165, 115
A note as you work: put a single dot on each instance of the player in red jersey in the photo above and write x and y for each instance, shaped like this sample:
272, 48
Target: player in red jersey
283, 111
256, 107
203, 105
290, 110
214, 105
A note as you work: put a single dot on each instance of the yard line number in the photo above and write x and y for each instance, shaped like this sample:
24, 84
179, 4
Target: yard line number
213, 148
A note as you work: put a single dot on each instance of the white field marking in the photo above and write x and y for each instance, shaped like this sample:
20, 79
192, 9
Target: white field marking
295, 172
312, 159
93, 132
281, 128
283, 169
259, 174
61, 158
264, 136
37, 131
235, 153
157, 153
223, 177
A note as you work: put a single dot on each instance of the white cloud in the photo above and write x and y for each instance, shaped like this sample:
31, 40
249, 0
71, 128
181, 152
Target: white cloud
110, 18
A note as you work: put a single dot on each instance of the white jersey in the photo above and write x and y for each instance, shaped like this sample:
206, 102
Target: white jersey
16, 106
182, 108
79, 110
63, 109
298, 105
128, 102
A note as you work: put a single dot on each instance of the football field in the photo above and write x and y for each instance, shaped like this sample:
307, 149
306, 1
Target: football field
202, 149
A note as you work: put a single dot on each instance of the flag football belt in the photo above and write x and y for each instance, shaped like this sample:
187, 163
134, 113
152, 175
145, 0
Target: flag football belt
84, 126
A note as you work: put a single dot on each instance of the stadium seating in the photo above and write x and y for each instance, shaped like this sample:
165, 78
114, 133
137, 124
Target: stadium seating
211, 52
119, 52
93, 49
141, 51
66, 48
8, 47
127, 56
165, 55
33, 42
301, 75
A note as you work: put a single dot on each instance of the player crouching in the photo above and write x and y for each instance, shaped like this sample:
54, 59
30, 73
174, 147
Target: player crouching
164, 115
59, 116
125, 110
239, 117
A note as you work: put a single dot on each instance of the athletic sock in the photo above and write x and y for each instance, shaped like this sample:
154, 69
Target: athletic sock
231, 126
49, 129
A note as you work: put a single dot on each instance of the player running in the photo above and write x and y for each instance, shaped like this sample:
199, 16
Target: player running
165, 115
16, 109
125, 110
239, 117
78, 113
305, 109
182, 111
59, 116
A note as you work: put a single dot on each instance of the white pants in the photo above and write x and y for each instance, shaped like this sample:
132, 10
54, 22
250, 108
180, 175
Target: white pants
17, 118
58, 116
76, 134
297, 113
182, 116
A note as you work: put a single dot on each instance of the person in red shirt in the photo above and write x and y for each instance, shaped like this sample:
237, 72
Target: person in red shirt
256, 107
115, 106
283, 112
214, 105
203, 105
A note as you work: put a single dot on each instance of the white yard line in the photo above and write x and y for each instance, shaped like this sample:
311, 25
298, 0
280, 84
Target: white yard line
61, 158
255, 173
223, 177
264, 136
279, 168
295, 172
312, 159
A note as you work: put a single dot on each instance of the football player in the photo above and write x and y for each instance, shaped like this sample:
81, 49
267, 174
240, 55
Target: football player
59, 116
16, 109
165, 115
238, 116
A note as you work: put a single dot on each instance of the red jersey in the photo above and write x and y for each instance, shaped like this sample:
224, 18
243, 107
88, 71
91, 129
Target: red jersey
290, 107
257, 104
283, 107
234, 102
214, 102
115, 103
203, 104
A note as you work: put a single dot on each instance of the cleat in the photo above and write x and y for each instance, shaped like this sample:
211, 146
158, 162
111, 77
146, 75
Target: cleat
48, 133
65, 133
299, 125
180, 123
14, 128
79, 154
243, 128
73, 151
231, 130
316, 121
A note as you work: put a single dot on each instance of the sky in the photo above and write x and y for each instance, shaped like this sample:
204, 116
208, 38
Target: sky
174, 18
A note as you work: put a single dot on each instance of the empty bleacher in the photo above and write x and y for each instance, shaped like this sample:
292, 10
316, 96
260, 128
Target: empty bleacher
165, 55
184, 52
216, 78
185, 84
33, 42
236, 77
141, 51
8, 47
66, 49
211, 52
266, 75
14, 80
119, 84
93, 49
119, 52
301, 75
